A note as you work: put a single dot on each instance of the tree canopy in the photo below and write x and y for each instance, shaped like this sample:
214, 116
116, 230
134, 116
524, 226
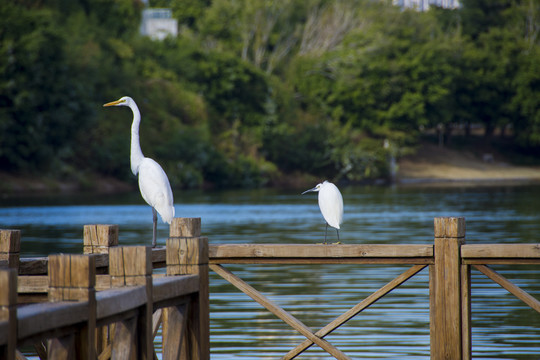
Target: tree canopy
254, 90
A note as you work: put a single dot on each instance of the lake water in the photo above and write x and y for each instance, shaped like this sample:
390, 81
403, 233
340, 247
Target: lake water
396, 327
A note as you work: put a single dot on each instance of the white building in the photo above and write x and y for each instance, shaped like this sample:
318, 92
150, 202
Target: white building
423, 5
158, 23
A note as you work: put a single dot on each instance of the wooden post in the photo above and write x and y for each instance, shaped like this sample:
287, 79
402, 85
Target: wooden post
8, 312
187, 253
10, 246
449, 304
132, 266
99, 238
73, 278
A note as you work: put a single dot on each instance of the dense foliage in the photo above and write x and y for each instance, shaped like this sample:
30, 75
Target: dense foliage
252, 91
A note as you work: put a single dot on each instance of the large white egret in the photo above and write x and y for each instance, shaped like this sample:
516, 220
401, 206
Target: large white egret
331, 205
153, 182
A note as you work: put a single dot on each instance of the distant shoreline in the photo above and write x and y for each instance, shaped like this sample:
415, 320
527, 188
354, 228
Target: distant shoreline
429, 166
432, 164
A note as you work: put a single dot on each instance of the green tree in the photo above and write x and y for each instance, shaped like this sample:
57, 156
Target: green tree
38, 100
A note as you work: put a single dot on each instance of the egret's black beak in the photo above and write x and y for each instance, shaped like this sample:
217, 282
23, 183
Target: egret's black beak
315, 188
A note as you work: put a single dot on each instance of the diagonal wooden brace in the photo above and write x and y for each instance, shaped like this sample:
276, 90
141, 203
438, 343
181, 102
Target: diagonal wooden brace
371, 299
510, 287
278, 311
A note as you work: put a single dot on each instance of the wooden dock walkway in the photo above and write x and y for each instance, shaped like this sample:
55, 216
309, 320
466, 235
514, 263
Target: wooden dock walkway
108, 304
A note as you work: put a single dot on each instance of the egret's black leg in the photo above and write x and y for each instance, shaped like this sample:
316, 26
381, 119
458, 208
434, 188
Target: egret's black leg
325, 233
337, 230
154, 232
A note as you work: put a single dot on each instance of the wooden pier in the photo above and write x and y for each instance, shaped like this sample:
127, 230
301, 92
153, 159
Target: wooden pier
108, 304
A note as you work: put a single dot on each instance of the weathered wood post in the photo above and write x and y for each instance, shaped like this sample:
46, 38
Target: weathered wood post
99, 238
449, 284
132, 266
8, 313
10, 247
73, 278
187, 253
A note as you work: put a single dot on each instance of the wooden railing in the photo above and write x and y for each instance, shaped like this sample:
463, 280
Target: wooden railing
107, 303
111, 299
449, 261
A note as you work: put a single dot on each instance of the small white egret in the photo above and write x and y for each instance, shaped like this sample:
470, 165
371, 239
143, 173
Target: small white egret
153, 182
331, 205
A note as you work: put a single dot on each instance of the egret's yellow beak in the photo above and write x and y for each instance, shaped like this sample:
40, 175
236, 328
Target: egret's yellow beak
114, 103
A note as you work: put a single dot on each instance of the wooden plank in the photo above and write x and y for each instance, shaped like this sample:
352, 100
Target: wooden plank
45, 317
8, 313
327, 261
174, 286
10, 247
8, 295
184, 255
72, 277
98, 238
125, 265
131, 266
33, 284
501, 251
189, 255
433, 339
4, 333
102, 339
225, 254
33, 266
118, 300
174, 329
445, 300
284, 251
124, 340
102, 260
364, 304
61, 348
106, 353
278, 311
40, 348
500, 261
466, 334
156, 321
159, 257
39, 265
185, 227
32, 298
510, 287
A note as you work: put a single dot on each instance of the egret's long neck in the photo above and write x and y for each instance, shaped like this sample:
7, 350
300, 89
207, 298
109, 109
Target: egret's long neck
136, 152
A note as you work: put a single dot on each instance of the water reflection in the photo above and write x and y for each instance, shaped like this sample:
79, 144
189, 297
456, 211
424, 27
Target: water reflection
396, 327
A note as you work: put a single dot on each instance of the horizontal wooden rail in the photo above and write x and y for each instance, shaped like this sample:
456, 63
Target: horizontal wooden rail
500, 254
39, 265
320, 254
47, 319
169, 287
117, 301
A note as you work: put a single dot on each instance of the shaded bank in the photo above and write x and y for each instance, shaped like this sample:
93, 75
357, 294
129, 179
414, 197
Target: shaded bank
434, 164
430, 164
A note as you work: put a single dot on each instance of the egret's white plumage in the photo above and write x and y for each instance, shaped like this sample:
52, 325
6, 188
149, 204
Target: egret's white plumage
330, 203
153, 182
